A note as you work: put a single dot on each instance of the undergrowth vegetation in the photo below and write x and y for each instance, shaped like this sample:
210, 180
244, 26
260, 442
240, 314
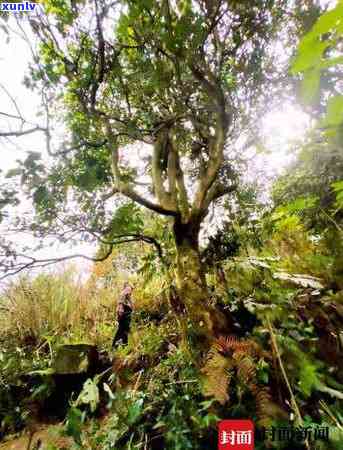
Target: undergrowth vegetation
279, 362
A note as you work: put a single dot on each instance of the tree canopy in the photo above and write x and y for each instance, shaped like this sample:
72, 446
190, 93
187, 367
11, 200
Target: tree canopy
151, 104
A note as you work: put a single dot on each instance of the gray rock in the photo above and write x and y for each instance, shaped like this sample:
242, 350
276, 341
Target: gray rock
74, 359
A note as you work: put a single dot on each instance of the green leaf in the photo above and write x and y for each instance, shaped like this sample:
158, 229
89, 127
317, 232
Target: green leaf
309, 53
89, 395
331, 62
40, 195
74, 424
311, 46
334, 115
298, 205
337, 186
338, 189
310, 85
135, 411
329, 21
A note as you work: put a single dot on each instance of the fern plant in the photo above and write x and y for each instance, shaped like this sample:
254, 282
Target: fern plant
231, 357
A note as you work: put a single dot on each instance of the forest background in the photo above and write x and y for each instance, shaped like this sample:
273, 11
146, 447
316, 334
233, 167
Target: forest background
151, 117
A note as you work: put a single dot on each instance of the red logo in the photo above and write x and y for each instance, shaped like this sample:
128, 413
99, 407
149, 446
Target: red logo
236, 435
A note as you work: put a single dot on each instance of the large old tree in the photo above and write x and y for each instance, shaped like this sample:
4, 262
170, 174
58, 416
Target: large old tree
152, 97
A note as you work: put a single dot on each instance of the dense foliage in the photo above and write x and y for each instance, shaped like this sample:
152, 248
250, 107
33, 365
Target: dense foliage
156, 101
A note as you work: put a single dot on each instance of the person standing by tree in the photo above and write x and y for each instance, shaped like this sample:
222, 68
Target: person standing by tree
123, 312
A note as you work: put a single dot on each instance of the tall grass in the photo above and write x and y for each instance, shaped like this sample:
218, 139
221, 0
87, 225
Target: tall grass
58, 307
66, 307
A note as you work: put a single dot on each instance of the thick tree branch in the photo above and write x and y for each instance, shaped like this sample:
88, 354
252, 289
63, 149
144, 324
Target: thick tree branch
136, 237
183, 203
216, 145
124, 187
172, 172
100, 57
160, 146
216, 191
162, 156
133, 195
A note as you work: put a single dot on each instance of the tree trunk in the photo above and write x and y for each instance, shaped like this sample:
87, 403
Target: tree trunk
191, 282
190, 279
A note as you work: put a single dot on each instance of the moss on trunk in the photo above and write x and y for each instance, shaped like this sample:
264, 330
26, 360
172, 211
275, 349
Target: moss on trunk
191, 281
